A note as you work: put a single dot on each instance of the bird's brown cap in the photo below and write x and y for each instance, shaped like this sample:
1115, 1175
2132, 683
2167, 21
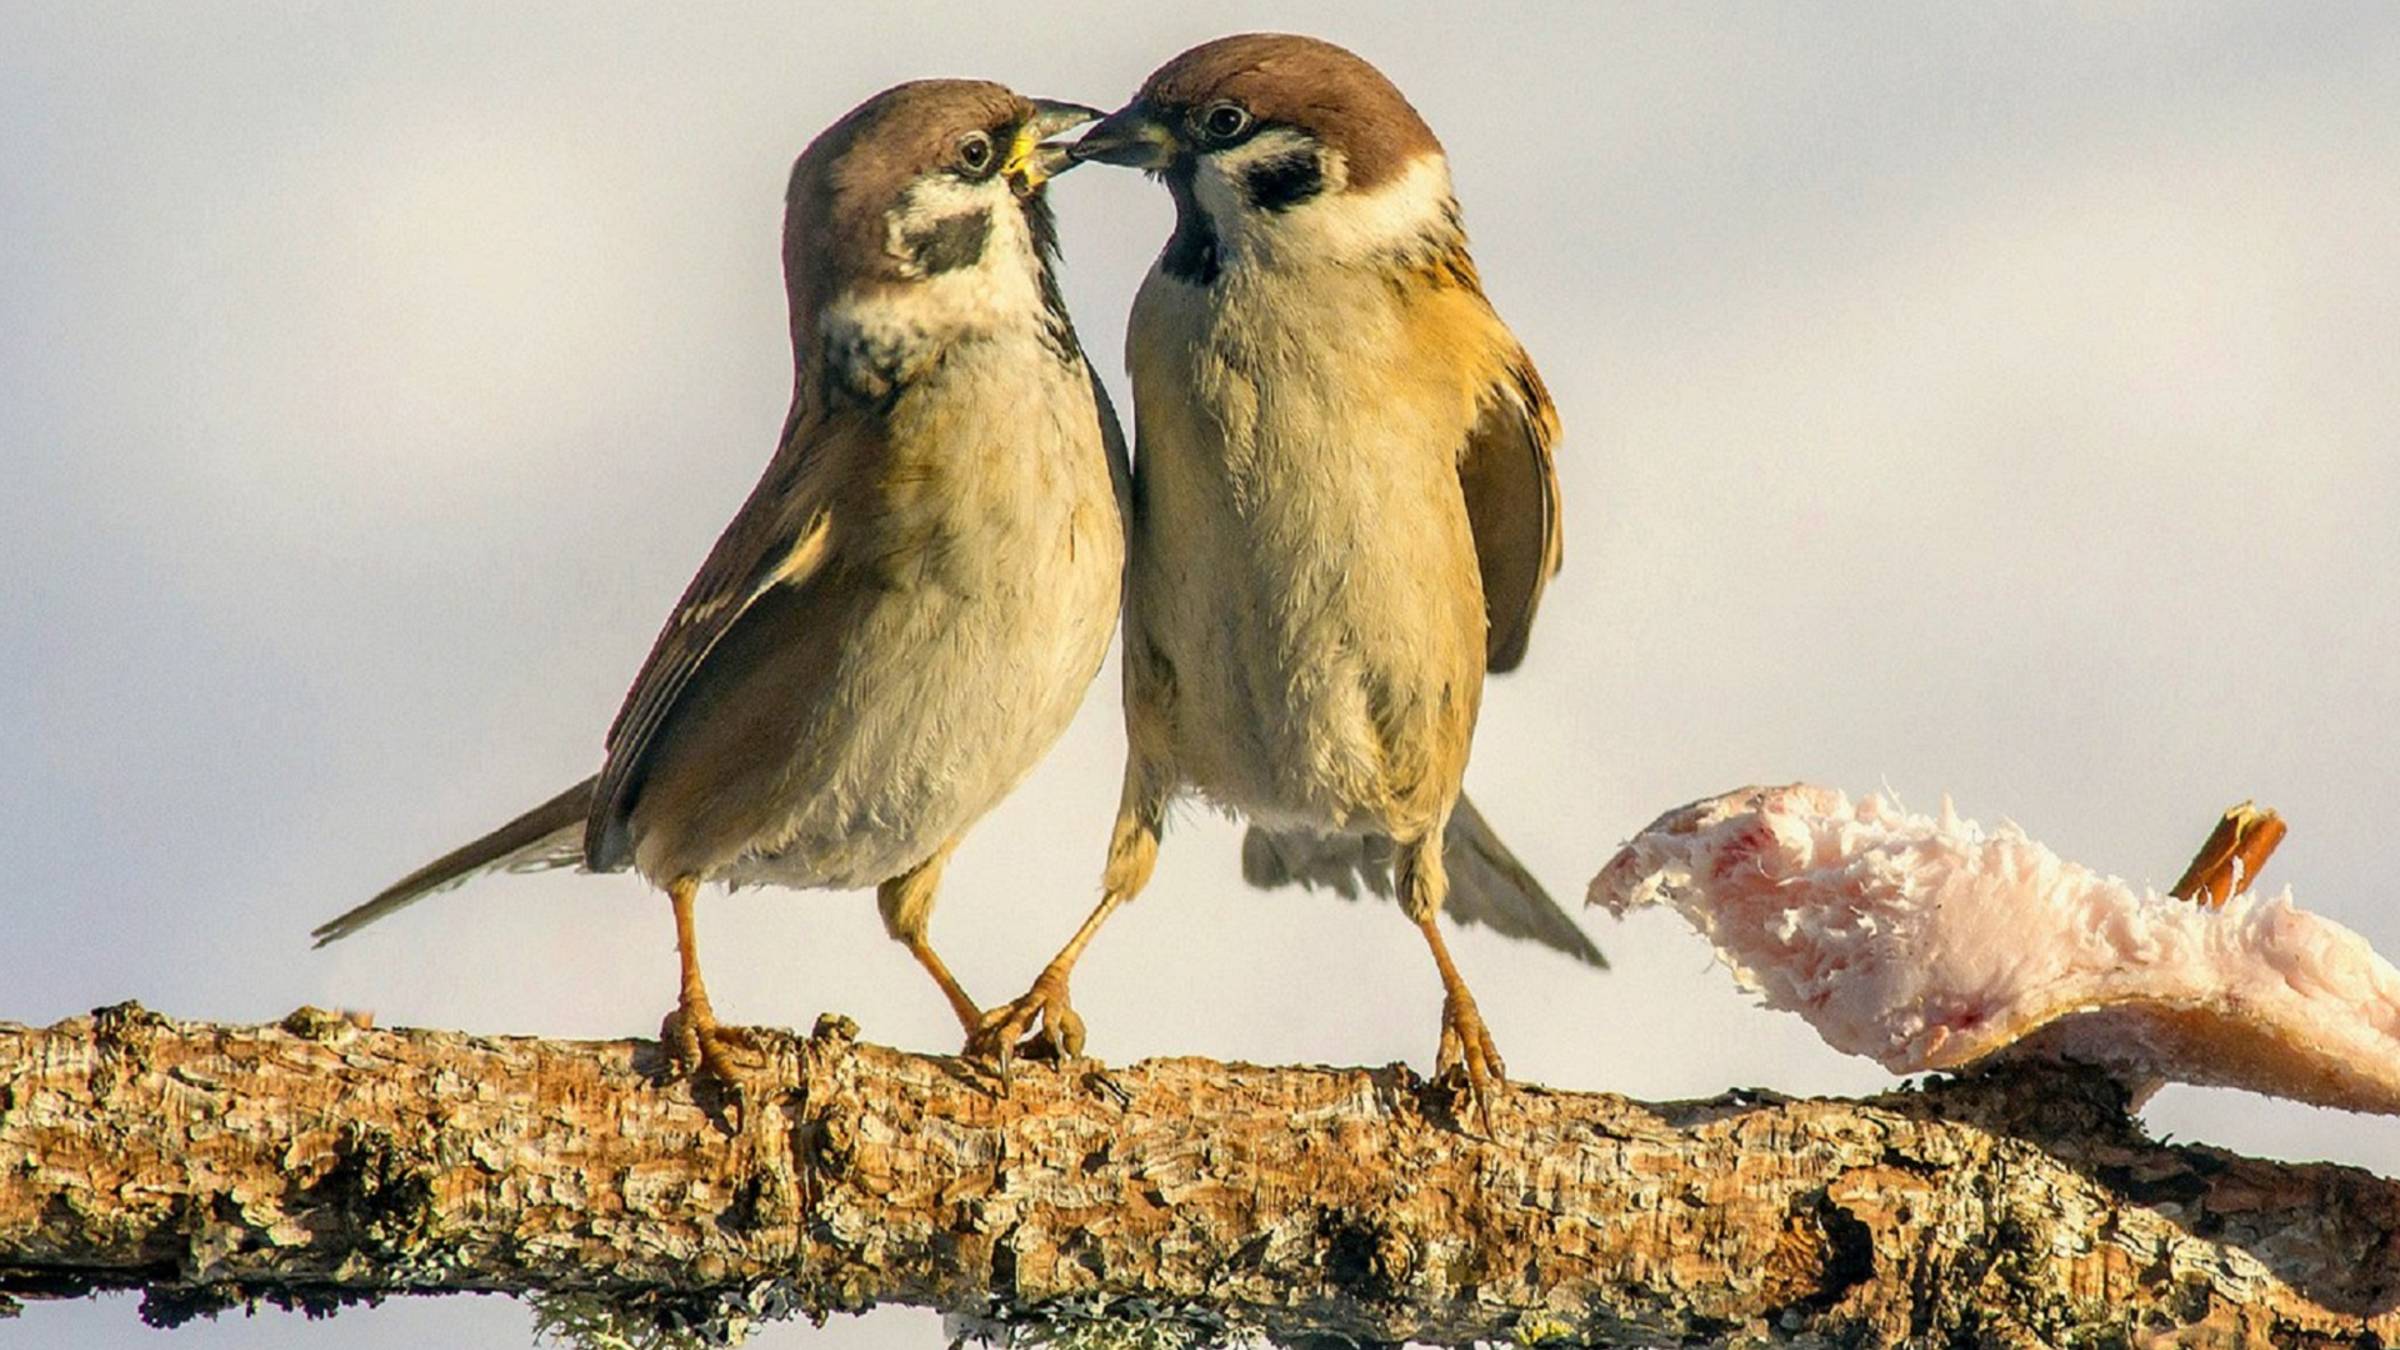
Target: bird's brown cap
1325, 90
856, 170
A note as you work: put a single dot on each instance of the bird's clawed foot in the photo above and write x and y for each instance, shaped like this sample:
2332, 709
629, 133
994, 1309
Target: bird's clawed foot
1468, 1053
698, 1046
1041, 1024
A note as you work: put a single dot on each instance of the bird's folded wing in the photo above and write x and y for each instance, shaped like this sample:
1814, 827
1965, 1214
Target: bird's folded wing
781, 537
1510, 478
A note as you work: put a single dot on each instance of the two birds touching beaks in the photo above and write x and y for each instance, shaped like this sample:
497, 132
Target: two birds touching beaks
1341, 513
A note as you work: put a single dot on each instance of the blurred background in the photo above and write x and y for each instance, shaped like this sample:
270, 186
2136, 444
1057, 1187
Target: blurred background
1997, 401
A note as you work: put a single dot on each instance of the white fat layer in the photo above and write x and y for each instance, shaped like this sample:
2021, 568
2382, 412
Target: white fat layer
1000, 290
1337, 226
1930, 943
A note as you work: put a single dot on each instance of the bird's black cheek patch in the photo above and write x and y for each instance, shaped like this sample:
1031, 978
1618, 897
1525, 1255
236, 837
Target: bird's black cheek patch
1285, 181
1191, 254
949, 243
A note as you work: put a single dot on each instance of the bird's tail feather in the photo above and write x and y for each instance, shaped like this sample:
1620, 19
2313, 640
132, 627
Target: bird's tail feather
1488, 885
548, 836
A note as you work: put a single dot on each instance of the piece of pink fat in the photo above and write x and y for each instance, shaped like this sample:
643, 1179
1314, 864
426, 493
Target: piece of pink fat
1929, 943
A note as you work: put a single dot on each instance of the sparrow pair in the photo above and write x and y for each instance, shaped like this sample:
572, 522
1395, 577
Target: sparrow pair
1342, 513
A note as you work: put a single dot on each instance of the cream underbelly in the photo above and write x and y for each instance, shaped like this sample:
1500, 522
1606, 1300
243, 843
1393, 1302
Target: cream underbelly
1324, 679
960, 701
1350, 743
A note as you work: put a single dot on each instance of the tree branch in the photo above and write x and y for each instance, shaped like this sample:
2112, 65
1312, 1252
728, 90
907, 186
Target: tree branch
317, 1163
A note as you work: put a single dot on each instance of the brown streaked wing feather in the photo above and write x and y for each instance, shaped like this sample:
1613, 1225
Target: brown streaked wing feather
779, 537
1510, 478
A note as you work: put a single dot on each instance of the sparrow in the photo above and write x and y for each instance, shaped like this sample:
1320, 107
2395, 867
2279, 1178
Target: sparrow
910, 605
1345, 507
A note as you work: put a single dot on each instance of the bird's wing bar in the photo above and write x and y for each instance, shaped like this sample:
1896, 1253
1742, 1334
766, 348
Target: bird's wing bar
1509, 474
780, 537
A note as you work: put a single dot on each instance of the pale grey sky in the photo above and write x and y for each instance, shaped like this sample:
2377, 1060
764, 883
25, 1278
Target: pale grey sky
1991, 400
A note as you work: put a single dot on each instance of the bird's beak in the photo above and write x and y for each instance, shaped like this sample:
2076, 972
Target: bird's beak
1129, 136
1031, 163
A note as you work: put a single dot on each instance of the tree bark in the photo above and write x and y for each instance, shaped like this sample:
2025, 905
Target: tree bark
317, 1163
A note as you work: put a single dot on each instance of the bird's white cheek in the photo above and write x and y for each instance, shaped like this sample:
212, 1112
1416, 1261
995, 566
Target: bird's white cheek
1003, 286
1339, 224
941, 195
1218, 179
1220, 197
1000, 287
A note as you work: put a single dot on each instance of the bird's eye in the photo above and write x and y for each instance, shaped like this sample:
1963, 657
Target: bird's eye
975, 155
1221, 122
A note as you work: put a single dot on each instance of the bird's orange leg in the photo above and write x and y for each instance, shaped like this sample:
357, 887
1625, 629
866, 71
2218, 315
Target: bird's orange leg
1042, 1018
906, 903
1466, 1046
1132, 854
1466, 1041
692, 1036
963, 1007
